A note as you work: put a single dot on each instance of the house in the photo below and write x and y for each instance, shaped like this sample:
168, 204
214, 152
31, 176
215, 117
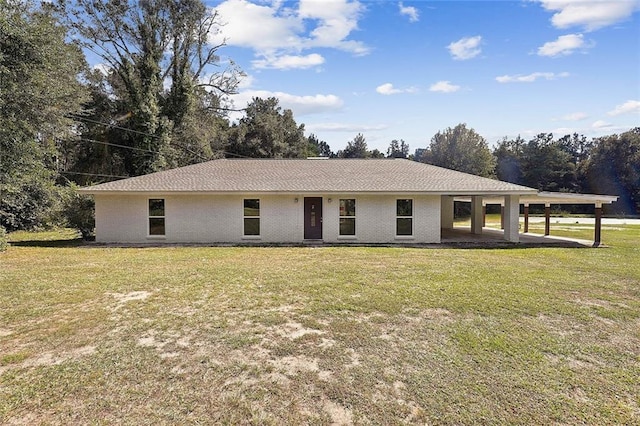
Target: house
297, 200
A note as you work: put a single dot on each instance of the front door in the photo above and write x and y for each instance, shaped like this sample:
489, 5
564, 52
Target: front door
313, 218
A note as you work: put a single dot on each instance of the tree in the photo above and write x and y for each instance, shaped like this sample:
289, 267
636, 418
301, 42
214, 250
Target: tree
420, 155
461, 149
542, 162
357, 148
614, 168
509, 156
145, 46
376, 153
398, 149
318, 148
546, 166
267, 131
39, 85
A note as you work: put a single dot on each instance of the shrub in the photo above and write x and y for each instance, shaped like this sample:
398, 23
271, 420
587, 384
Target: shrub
78, 211
26, 204
3, 239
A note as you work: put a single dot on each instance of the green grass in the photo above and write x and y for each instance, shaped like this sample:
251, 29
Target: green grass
100, 335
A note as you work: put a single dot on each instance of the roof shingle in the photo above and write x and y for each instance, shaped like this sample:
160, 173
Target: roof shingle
307, 176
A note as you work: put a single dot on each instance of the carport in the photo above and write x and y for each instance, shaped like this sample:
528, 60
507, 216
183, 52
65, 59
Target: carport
547, 199
510, 207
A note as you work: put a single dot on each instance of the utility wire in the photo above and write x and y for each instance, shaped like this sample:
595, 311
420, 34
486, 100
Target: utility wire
118, 145
88, 120
94, 174
76, 117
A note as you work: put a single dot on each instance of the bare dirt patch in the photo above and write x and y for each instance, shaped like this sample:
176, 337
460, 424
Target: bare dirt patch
295, 330
293, 365
339, 415
51, 358
124, 298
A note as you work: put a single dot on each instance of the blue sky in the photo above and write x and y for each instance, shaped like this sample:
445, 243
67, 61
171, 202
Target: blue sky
405, 70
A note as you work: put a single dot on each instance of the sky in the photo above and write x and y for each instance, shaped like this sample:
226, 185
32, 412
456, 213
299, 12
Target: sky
408, 69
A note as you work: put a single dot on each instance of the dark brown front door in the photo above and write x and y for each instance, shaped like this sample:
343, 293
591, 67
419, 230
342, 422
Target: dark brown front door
313, 218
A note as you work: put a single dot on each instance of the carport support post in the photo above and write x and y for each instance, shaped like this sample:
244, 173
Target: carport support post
526, 217
547, 218
501, 216
598, 227
484, 215
446, 212
511, 218
476, 214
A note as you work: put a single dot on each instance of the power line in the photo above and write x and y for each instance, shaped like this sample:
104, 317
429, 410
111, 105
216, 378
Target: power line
118, 145
88, 120
156, 152
226, 153
94, 174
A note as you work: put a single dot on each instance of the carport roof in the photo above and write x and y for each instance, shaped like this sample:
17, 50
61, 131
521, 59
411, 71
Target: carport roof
547, 198
312, 176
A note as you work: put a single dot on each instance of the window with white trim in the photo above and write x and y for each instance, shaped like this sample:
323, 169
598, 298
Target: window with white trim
348, 216
404, 217
156, 217
251, 217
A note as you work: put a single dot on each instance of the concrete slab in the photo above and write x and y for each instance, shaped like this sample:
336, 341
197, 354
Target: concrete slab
491, 236
583, 220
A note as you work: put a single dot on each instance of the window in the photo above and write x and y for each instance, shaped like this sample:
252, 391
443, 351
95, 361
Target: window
348, 216
404, 217
156, 217
251, 217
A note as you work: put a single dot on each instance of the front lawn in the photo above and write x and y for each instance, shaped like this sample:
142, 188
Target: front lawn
200, 335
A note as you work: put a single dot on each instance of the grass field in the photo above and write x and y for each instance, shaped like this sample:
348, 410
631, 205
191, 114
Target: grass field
330, 335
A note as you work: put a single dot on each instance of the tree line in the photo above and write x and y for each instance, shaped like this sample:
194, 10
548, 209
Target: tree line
607, 165
161, 98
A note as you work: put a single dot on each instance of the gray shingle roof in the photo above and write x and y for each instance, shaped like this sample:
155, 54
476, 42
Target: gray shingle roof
313, 175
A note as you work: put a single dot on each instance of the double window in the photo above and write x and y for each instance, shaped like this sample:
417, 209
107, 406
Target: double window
156, 217
251, 217
348, 216
404, 217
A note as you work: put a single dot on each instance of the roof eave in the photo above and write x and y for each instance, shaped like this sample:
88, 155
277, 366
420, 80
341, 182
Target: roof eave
489, 193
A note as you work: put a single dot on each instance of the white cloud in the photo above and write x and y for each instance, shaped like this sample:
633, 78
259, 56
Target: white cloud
255, 26
564, 45
409, 11
344, 127
388, 89
286, 62
465, 48
601, 124
590, 14
444, 87
336, 20
300, 105
529, 78
246, 81
630, 106
279, 34
104, 69
576, 116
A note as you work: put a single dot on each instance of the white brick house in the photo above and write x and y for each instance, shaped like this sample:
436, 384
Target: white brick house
293, 201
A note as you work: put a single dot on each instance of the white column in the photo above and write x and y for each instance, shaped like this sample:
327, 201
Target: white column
446, 212
511, 218
476, 214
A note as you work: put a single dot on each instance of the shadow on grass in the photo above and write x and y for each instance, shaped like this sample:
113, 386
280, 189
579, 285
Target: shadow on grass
484, 245
76, 242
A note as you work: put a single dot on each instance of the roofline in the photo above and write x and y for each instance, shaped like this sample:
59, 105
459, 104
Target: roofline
493, 193
545, 197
